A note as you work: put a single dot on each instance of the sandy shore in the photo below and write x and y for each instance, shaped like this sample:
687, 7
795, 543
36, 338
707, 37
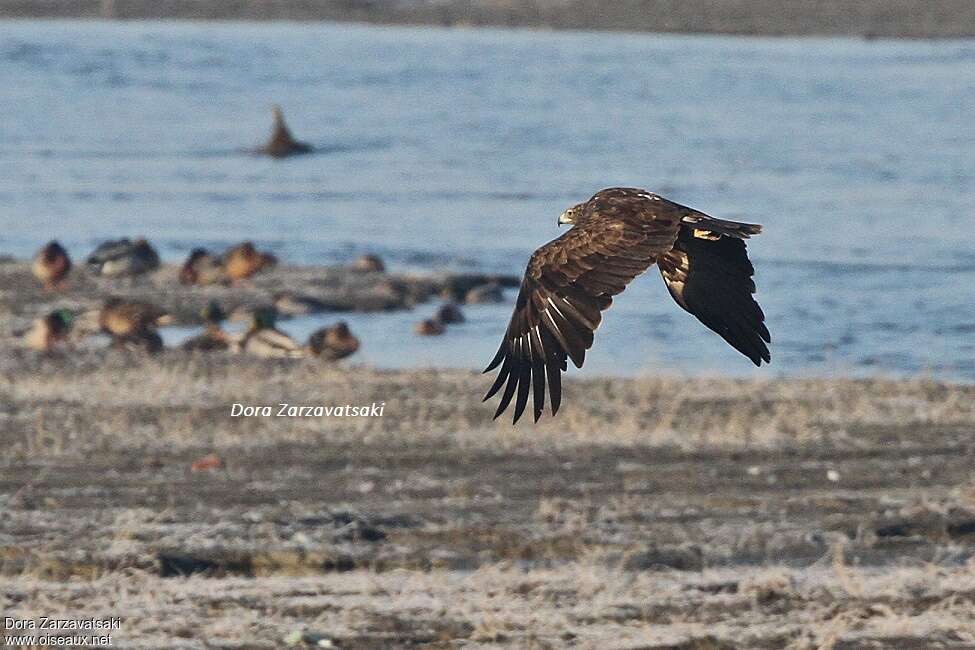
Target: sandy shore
868, 18
650, 513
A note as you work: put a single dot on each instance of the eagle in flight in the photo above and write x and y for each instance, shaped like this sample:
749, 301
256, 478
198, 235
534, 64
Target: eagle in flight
615, 236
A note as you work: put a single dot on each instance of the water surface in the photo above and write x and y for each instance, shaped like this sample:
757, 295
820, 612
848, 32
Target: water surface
458, 149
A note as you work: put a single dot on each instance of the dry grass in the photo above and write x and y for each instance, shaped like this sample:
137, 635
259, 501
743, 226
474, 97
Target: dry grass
182, 401
665, 512
590, 605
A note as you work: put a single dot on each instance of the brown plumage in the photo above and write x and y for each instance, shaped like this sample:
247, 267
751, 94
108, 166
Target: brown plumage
51, 265
282, 144
617, 235
333, 343
123, 318
201, 268
243, 261
429, 327
213, 338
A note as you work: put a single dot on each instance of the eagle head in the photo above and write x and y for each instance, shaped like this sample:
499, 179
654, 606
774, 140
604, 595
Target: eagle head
570, 215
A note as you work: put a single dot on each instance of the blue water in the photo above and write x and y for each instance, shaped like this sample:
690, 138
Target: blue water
457, 149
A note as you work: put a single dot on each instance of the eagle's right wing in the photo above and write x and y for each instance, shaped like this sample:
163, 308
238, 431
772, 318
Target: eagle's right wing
569, 281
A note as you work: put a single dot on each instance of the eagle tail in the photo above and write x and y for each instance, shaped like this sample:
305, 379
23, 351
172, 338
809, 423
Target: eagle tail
718, 227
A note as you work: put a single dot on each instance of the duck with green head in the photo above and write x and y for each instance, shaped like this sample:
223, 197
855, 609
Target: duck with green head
50, 331
263, 339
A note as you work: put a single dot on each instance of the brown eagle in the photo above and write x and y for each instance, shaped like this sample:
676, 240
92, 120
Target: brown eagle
616, 235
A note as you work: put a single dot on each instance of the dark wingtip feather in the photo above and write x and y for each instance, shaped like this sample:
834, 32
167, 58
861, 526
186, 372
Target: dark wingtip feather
502, 376
498, 358
538, 383
509, 391
524, 386
554, 385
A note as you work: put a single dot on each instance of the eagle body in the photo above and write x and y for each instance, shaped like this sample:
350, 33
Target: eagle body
617, 235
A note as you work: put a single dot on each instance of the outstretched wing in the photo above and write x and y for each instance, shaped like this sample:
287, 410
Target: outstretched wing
569, 281
710, 276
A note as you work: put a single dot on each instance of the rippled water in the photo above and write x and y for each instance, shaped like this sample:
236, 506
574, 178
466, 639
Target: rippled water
454, 148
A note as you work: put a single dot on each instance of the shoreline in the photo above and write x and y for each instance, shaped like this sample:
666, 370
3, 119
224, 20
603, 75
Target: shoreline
938, 19
762, 511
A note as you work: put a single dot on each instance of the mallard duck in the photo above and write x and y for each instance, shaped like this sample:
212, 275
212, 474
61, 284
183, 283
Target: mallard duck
243, 261
145, 340
263, 340
333, 343
51, 265
291, 304
430, 327
281, 144
213, 338
123, 258
201, 268
449, 313
121, 318
49, 331
369, 264
485, 294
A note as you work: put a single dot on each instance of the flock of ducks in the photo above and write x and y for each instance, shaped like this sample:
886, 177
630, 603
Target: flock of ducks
133, 324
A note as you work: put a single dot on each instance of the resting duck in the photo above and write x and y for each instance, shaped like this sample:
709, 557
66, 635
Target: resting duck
123, 258
333, 343
243, 261
147, 340
121, 318
485, 294
430, 327
201, 268
449, 313
49, 331
51, 265
369, 264
281, 144
292, 304
263, 340
213, 338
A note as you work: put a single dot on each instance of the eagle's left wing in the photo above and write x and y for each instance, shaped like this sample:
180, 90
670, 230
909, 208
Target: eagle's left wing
709, 275
569, 281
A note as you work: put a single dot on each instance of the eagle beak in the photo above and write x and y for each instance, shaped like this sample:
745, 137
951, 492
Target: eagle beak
564, 218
